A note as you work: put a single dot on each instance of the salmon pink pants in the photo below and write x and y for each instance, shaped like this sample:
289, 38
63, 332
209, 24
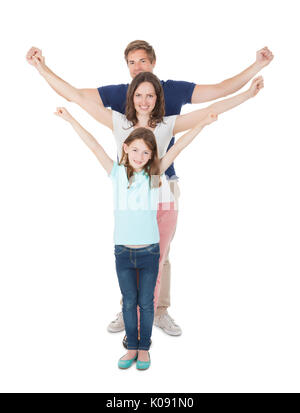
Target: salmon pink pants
167, 215
167, 220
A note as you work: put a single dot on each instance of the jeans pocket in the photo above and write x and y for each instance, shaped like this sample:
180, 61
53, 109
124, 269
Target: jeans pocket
154, 249
119, 249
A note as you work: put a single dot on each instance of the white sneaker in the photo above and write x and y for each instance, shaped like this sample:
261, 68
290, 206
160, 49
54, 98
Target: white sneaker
116, 325
167, 323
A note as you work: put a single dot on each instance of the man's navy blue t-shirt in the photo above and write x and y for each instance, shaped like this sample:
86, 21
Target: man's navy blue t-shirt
177, 94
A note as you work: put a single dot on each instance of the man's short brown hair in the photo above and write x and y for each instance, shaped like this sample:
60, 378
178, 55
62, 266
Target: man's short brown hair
140, 44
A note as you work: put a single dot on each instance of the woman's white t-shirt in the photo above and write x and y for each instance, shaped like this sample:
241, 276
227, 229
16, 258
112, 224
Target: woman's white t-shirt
163, 134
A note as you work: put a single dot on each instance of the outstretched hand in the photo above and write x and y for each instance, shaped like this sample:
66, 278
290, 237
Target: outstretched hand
264, 57
256, 85
34, 57
63, 113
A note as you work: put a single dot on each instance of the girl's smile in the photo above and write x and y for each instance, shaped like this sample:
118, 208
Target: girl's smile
138, 154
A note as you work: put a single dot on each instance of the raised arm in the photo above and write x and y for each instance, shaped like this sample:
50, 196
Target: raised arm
184, 141
88, 139
205, 93
189, 120
88, 99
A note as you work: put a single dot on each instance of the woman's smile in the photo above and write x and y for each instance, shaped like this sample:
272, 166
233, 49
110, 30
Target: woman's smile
145, 98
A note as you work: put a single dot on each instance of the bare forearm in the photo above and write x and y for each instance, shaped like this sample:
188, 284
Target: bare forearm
189, 120
85, 136
180, 144
187, 138
235, 83
88, 139
227, 104
205, 93
61, 87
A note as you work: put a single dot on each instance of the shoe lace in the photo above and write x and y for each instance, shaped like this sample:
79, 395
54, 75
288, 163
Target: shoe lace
170, 320
119, 316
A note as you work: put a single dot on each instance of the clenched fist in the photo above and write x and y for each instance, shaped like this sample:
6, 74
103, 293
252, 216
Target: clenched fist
256, 85
34, 57
63, 113
264, 57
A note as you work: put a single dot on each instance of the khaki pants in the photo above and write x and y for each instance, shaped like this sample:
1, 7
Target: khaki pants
167, 221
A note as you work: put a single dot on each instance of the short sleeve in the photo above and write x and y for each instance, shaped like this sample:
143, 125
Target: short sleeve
170, 172
119, 122
114, 172
114, 96
183, 90
165, 130
177, 94
170, 120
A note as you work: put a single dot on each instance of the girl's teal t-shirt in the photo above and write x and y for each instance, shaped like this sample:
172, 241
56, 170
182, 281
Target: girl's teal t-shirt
135, 208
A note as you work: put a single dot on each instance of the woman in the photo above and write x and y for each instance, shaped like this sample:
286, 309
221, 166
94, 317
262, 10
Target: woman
145, 108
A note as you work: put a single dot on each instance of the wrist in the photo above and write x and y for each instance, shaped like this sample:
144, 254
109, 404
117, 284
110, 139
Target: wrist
257, 66
203, 123
41, 68
248, 94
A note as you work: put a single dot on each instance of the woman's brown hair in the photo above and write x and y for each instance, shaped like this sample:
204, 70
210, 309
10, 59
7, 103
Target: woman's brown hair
158, 112
152, 166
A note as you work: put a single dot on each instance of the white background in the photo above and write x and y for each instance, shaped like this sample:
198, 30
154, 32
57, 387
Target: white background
235, 256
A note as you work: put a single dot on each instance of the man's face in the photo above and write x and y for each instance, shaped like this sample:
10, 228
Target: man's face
138, 61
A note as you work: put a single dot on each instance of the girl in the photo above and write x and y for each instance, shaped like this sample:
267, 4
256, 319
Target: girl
145, 108
136, 180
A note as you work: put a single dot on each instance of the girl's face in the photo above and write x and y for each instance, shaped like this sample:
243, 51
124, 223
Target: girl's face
138, 154
144, 98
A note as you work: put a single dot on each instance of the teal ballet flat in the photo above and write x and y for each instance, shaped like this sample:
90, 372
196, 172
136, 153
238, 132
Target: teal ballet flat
125, 364
143, 365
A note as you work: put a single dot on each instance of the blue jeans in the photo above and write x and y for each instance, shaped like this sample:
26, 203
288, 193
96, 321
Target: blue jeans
146, 260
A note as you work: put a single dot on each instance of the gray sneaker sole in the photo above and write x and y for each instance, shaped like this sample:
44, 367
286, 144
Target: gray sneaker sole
169, 332
112, 330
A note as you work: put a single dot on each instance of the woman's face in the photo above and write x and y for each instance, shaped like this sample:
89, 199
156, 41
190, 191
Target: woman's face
138, 154
144, 98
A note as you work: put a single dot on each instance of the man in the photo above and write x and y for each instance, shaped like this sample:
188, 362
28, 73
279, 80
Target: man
140, 57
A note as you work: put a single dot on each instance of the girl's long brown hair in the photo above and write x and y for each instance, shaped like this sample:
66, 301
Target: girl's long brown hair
152, 166
158, 112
